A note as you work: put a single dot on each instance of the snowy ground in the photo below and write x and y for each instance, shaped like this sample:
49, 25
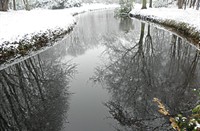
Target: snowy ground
189, 16
17, 25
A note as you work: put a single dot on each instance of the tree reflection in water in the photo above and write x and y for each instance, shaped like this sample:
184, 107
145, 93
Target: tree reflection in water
136, 72
126, 24
34, 95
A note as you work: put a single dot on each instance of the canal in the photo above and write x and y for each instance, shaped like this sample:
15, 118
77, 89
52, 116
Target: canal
102, 77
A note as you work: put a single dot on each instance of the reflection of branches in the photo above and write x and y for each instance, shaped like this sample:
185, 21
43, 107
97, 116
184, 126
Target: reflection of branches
182, 71
76, 47
33, 95
126, 24
148, 41
148, 45
4, 123
138, 72
148, 59
190, 73
125, 118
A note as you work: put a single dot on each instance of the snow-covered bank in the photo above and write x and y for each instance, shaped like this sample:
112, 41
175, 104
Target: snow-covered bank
15, 25
91, 7
184, 21
21, 31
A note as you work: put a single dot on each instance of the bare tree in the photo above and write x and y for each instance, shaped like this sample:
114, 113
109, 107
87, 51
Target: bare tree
14, 5
198, 4
26, 3
188, 3
180, 4
4, 5
150, 3
144, 2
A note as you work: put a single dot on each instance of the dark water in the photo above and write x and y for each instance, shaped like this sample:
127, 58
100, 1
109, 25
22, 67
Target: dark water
102, 77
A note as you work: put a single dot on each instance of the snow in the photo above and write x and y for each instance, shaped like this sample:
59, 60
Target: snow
88, 7
188, 16
15, 25
55, 4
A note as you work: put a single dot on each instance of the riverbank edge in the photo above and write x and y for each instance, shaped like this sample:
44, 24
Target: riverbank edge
181, 28
37, 41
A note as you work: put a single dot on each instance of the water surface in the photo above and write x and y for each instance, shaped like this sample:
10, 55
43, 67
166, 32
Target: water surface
102, 77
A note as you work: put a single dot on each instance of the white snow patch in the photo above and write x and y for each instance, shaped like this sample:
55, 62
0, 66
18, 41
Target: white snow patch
189, 16
15, 25
88, 7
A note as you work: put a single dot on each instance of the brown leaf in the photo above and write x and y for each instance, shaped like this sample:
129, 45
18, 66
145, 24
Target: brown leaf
165, 112
161, 107
174, 124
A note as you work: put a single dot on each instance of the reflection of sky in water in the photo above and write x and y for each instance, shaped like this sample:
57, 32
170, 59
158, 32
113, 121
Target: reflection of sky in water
34, 95
134, 63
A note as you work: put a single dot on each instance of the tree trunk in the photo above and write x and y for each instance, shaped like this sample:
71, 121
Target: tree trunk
190, 3
180, 4
198, 4
14, 5
185, 4
144, 2
140, 48
4, 5
193, 4
150, 3
26, 3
